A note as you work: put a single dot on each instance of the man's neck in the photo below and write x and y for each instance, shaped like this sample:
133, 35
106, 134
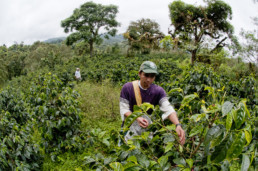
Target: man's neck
139, 83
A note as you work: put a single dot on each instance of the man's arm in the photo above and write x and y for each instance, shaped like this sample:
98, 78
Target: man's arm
179, 130
170, 113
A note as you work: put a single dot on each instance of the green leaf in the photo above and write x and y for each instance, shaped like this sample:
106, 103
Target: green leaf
226, 108
145, 135
220, 151
218, 140
168, 128
179, 161
248, 137
88, 160
237, 146
116, 166
163, 161
239, 117
198, 117
245, 163
131, 118
132, 159
169, 146
152, 163
106, 141
143, 160
131, 167
212, 133
243, 103
196, 130
108, 160
180, 148
146, 106
189, 162
229, 120
187, 99
175, 90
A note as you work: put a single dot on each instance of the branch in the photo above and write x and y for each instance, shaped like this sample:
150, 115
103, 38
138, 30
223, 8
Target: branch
211, 35
218, 45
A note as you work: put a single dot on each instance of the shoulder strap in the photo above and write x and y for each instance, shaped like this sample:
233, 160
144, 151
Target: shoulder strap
137, 92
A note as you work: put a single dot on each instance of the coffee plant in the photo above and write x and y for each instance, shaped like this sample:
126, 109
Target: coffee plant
55, 108
50, 109
220, 137
221, 130
17, 148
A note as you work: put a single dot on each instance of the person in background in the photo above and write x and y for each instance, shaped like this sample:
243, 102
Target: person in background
152, 94
77, 75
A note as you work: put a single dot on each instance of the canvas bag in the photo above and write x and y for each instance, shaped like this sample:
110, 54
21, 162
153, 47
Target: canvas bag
135, 128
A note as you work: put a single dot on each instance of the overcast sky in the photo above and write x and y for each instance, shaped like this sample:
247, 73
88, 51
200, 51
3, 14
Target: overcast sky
32, 20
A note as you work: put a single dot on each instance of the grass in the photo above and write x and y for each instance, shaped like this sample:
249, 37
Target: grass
100, 109
99, 105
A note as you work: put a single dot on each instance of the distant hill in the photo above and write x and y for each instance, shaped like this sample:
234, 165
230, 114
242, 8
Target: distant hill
55, 40
112, 40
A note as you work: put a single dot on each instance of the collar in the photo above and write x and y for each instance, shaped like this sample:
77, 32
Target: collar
139, 83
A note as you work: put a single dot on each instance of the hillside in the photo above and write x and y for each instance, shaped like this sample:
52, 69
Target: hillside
112, 40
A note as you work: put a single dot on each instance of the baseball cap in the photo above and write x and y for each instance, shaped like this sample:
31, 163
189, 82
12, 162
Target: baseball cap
149, 67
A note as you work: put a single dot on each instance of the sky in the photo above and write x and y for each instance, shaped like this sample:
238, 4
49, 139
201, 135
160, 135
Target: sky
28, 21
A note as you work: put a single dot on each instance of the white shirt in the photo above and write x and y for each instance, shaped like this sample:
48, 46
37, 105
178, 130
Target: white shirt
77, 74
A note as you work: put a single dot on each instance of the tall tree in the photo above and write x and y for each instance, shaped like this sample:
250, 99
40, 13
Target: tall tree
192, 24
249, 51
3, 72
143, 35
86, 21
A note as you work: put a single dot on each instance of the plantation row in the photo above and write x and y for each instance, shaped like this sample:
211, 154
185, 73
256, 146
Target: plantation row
219, 116
221, 127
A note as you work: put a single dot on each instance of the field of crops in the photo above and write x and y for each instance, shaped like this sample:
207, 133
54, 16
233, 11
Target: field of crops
49, 122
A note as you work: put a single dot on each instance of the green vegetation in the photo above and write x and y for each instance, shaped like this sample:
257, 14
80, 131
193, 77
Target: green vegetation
48, 121
199, 23
87, 22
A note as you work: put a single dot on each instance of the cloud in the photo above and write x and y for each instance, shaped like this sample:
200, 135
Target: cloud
32, 20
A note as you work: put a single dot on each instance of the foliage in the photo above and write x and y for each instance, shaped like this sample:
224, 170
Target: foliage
49, 109
3, 70
249, 51
46, 125
167, 43
220, 131
87, 21
143, 35
192, 24
98, 102
18, 150
55, 108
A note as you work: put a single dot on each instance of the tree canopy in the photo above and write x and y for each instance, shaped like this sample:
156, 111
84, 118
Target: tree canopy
86, 21
249, 51
192, 24
143, 35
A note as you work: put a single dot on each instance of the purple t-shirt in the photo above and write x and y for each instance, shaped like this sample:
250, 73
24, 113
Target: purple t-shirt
152, 95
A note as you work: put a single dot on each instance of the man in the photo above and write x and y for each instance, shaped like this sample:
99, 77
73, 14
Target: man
77, 75
152, 94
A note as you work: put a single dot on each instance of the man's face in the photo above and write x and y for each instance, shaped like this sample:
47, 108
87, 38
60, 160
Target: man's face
146, 79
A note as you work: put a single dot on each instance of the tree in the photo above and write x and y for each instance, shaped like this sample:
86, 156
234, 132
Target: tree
192, 24
3, 72
249, 49
87, 20
143, 35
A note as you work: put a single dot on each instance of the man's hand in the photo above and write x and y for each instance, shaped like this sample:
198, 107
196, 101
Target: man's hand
142, 122
181, 133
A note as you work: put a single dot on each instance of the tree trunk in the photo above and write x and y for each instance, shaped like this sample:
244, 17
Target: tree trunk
91, 48
193, 57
